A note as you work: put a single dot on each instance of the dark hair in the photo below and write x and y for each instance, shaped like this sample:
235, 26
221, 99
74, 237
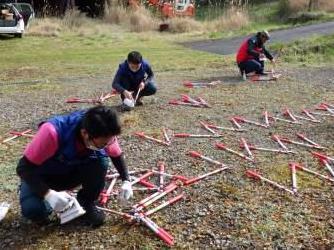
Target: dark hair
135, 57
101, 121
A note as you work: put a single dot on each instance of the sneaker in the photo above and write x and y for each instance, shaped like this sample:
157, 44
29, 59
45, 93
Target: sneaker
93, 216
139, 102
124, 107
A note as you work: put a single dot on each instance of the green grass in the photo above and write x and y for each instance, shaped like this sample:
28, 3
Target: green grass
66, 55
262, 16
314, 50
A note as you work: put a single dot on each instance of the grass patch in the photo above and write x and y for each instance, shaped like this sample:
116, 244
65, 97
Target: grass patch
69, 55
308, 51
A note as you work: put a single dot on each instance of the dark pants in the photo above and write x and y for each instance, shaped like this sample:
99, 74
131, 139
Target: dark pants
252, 66
88, 173
150, 89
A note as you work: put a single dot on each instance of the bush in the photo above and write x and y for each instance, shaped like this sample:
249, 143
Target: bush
293, 7
181, 25
233, 18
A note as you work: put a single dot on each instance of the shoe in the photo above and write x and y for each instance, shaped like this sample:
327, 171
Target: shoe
124, 107
244, 76
139, 102
93, 216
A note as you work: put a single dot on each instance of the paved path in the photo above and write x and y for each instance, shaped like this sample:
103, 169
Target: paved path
230, 46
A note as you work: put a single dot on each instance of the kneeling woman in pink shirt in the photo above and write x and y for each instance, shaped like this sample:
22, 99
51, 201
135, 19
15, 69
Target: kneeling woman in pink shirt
69, 151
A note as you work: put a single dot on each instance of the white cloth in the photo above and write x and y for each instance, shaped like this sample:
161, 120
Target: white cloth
126, 191
59, 201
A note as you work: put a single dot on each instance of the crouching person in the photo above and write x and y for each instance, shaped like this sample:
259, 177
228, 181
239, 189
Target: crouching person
252, 53
133, 75
70, 151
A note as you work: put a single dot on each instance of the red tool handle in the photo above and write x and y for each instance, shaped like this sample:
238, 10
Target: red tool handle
165, 237
181, 177
174, 102
220, 145
253, 174
194, 154
238, 118
73, 100
292, 165
250, 146
104, 199
193, 180
146, 183
140, 134
185, 98
182, 135
144, 176
320, 156
300, 135
323, 162
284, 139
297, 166
21, 133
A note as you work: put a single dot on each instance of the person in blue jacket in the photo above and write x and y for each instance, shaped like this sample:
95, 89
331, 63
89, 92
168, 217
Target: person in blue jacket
133, 75
70, 151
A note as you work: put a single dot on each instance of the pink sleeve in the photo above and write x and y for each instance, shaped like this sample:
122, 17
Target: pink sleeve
43, 146
113, 150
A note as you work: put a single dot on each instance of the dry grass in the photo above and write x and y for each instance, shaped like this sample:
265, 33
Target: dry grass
298, 5
141, 20
135, 20
233, 19
45, 27
327, 5
294, 6
74, 20
115, 14
182, 25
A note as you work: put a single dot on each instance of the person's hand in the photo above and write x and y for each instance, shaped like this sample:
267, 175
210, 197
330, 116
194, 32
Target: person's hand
262, 57
141, 86
126, 191
273, 61
128, 94
59, 201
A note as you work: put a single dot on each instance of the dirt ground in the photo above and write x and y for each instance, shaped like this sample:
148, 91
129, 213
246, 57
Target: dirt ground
225, 211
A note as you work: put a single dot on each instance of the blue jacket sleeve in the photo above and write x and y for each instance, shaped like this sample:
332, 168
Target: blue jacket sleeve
149, 72
117, 84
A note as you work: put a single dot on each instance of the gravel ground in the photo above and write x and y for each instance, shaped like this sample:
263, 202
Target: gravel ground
225, 211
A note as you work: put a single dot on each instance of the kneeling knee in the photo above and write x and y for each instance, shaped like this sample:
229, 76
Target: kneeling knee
34, 211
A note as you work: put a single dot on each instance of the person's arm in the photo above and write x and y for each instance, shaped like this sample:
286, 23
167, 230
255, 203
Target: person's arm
43, 146
115, 153
117, 82
149, 72
267, 53
251, 48
121, 167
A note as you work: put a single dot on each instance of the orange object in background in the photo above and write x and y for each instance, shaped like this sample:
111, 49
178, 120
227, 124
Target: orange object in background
168, 8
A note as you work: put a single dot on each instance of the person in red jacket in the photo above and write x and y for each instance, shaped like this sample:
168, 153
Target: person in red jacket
252, 52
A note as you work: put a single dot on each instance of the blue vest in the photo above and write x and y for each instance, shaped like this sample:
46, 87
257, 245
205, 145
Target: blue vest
133, 78
67, 129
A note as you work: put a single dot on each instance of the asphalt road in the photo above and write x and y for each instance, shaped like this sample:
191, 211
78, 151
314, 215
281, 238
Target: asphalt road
230, 46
